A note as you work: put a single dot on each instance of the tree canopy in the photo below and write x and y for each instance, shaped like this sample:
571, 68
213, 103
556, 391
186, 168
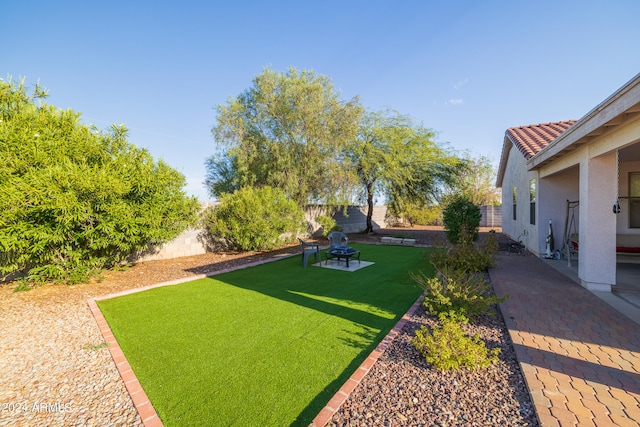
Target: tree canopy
286, 131
394, 156
291, 131
476, 181
74, 199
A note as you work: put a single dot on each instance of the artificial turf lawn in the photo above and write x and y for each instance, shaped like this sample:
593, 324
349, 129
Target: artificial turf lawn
262, 346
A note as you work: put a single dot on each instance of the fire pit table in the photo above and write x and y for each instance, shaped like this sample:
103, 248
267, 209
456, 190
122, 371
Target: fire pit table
345, 253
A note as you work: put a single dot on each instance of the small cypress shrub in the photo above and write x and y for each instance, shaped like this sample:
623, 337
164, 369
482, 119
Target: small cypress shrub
461, 219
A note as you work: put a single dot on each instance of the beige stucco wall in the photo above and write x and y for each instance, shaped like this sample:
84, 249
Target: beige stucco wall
582, 162
588, 174
516, 175
553, 193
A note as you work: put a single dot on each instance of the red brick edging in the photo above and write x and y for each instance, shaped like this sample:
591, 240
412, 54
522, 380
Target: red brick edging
325, 415
140, 399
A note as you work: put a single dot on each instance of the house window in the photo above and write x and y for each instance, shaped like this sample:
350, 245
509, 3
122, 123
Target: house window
514, 203
532, 202
634, 200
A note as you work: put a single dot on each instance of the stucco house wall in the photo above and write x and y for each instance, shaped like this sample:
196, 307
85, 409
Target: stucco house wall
588, 161
516, 176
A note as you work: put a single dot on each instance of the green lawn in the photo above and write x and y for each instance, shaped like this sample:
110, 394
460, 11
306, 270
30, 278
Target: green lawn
262, 346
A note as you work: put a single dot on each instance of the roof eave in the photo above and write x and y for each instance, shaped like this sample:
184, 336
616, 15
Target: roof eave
507, 145
603, 115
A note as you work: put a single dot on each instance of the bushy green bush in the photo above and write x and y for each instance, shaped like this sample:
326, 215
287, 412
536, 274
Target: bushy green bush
74, 200
328, 224
253, 219
447, 347
461, 219
423, 215
459, 289
465, 257
469, 295
460, 283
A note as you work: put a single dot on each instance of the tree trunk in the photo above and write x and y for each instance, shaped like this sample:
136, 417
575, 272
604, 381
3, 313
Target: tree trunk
369, 228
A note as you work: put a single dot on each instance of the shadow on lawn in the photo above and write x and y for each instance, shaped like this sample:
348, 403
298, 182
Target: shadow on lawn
371, 296
374, 298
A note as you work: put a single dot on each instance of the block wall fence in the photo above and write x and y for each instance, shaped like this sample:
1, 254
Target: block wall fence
190, 243
491, 216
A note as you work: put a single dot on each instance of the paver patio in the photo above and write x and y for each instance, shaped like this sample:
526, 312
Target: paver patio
580, 356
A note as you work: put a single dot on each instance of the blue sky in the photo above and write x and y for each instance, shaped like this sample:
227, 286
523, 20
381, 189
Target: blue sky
466, 69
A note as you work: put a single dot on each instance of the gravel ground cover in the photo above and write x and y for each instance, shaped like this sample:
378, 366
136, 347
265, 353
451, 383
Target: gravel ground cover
402, 389
56, 371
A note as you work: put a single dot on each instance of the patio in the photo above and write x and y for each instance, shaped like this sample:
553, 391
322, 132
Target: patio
625, 295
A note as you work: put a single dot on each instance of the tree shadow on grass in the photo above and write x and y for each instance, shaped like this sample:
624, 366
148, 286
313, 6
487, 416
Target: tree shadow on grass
374, 298
320, 401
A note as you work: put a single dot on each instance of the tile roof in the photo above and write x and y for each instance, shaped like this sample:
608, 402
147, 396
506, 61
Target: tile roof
533, 138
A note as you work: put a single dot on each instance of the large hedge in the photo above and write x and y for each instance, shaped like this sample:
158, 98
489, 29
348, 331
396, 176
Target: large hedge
74, 200
254, 219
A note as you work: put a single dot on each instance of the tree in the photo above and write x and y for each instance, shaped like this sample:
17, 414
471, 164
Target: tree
399, 158
476, 181
74, 200
285, 131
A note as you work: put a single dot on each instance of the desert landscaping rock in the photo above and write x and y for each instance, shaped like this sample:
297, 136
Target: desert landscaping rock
402, 389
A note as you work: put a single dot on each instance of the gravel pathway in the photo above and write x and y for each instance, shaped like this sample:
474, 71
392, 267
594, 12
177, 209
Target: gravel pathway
56, 371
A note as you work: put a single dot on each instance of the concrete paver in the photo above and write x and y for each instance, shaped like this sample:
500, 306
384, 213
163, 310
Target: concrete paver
580, 356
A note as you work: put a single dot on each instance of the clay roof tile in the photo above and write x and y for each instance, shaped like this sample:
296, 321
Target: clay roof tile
533, 138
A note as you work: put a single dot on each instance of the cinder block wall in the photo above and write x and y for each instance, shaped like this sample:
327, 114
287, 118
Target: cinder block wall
189, 243
491, 216
356, 219
186, 244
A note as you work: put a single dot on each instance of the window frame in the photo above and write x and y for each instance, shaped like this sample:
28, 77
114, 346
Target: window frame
634, 200
532, 201
515, 204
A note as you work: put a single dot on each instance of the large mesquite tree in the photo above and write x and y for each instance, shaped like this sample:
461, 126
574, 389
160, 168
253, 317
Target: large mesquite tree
396, 157
286, 131
74, 200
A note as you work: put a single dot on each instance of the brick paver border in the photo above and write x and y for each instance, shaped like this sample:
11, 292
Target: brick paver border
142, 403
140, 400
325, 415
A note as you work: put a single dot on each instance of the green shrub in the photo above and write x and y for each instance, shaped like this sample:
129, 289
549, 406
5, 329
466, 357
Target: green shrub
75, 200
469, 295
460, 283
447, 347
423, 215
461, 219
254, 219
328, 224
466, 257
